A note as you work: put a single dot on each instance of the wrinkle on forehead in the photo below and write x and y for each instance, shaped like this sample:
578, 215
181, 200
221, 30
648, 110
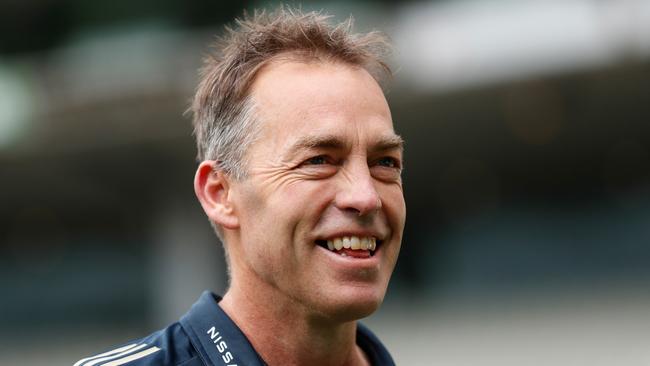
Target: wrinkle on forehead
305, 107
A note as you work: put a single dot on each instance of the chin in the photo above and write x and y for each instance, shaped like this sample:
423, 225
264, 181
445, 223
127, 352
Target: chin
353, 304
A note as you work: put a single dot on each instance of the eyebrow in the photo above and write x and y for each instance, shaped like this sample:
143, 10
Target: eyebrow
389, 142
316, 142
384, 143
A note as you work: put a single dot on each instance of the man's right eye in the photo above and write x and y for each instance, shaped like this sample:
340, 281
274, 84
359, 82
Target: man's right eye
316, 160
320, 166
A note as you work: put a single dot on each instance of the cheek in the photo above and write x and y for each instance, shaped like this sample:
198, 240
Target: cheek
396, 212
394, 206
274, 220
306, 198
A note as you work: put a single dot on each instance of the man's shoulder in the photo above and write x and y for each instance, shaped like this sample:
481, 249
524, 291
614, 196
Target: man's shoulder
167, 347
205, 335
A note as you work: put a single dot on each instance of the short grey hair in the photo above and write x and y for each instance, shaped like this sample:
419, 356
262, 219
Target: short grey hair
225, 124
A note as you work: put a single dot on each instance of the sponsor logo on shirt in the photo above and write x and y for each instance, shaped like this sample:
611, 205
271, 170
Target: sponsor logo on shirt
222, 346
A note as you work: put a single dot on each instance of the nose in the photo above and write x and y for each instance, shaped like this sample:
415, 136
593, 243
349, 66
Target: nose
357, 192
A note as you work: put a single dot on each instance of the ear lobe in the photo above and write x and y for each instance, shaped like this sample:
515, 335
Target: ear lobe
212, 188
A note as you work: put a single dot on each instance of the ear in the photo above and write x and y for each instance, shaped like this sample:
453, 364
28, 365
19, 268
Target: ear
212, 188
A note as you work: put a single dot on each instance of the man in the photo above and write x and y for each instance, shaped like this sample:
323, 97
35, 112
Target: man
300, 174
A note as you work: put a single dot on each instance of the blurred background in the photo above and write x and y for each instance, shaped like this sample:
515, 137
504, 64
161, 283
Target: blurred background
527, 177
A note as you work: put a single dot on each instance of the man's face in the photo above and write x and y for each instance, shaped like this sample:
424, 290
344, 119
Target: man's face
326, 166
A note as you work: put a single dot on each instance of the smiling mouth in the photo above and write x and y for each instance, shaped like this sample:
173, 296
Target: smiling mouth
351, 246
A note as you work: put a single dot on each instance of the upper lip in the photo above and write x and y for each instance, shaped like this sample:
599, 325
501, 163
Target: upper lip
360, 234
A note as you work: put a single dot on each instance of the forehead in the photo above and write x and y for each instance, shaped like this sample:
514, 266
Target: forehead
298, 99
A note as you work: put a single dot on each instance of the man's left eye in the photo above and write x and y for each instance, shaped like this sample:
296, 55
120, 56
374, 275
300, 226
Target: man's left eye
388, 162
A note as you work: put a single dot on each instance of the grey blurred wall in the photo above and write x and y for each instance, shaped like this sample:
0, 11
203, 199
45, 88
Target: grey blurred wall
527, 177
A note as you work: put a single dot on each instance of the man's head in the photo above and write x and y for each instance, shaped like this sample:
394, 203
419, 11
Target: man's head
299, 156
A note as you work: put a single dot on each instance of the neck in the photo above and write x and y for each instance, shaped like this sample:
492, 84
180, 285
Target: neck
285, 333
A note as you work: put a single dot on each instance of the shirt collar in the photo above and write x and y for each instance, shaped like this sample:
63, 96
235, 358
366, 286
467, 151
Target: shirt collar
215, 336
372, 346
220, 342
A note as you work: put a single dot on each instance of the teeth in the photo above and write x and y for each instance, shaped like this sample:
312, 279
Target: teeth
355, 243
352, 242
365, 244
346, 242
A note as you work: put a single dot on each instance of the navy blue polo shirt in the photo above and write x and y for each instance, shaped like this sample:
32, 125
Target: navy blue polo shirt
206, 336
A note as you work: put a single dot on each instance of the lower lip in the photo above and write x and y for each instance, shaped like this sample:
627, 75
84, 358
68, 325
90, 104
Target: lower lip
352, 261
359, 254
